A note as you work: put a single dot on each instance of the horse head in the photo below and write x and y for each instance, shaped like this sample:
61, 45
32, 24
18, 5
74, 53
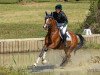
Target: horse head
49, 21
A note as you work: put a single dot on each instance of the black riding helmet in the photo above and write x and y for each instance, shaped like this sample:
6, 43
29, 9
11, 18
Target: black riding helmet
59, 6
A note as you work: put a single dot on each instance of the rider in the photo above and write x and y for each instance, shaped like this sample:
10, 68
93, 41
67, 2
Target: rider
62, 21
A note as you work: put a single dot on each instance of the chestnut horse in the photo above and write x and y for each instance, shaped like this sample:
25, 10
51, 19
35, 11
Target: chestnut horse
53, 40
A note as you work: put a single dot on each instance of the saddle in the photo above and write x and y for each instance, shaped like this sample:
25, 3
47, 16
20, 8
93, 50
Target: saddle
68, 36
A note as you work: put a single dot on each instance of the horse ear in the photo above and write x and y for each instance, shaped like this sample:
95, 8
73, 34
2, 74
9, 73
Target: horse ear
51, 14
46, 13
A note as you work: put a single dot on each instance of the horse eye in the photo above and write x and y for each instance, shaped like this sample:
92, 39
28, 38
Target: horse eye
50, 18
45, 18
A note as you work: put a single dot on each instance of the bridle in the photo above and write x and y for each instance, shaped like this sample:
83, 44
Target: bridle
47, 24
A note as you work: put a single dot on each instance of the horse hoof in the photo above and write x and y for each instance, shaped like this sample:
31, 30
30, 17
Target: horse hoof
35, 65
44, 61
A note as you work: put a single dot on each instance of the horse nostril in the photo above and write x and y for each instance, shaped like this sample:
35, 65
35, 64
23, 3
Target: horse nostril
44, 26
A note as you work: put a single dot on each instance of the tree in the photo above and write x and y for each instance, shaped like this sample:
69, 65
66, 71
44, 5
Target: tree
93, 19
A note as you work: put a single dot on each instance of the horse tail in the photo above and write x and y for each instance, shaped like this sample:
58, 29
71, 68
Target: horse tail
81, 42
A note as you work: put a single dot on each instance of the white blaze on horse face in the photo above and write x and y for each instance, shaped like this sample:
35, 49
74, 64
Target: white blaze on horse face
47, 21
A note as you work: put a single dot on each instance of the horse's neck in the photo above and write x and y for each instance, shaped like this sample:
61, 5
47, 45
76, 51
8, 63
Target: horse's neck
54, 26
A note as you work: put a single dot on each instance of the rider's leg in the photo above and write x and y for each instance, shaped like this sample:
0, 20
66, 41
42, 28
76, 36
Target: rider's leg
64, 34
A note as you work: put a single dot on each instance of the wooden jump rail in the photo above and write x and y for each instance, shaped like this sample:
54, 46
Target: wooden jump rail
95, 38
33, 44
21, 45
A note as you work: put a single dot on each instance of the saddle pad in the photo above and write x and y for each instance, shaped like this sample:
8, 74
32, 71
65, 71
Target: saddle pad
68, 38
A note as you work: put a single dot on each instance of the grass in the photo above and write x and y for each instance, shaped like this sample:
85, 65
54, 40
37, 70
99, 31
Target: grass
26, 21
11, 71
28, 1
91, 45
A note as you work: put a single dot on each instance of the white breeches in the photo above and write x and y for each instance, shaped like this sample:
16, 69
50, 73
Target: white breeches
63, 29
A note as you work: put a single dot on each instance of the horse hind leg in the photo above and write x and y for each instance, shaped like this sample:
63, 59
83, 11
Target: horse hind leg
66, 58
64, 62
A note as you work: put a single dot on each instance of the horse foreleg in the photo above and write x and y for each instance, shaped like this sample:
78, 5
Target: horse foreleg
38, 59
41, 55
43, 58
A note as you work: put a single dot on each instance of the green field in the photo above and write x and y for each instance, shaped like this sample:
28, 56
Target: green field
26, 21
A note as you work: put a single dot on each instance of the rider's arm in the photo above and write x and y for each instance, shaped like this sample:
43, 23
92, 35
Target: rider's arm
55, 15
64, 17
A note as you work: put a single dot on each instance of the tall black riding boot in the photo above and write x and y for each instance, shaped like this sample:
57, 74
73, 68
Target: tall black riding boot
64, 39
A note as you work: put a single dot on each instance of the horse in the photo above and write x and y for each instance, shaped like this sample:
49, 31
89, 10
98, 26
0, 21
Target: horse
53, 40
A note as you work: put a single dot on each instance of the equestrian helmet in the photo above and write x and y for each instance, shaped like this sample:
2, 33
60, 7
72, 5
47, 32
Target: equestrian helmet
59, 6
